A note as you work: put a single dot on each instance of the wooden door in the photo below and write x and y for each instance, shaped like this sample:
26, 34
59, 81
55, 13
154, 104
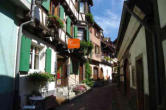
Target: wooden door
101, 76
127, 78
64, 75
140, 84
81, 73
95, 73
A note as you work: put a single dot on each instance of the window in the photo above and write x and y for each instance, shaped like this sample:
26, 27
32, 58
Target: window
82, 7
81, 34
34, 57
53, 9
97, 49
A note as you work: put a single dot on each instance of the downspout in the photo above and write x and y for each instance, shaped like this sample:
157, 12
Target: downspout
17, 72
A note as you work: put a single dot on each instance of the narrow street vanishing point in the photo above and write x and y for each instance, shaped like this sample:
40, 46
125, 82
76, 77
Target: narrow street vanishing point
82, 55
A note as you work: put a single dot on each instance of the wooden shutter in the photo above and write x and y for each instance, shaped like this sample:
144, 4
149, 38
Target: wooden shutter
48, 61
71, 67
61, 12
75, 31
68, 25
87, 35
46, 5
25, 54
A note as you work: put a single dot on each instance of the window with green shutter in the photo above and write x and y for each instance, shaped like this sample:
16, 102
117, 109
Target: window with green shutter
46, 4
61, 12
75, 31
25, 54
48, 61
68, 25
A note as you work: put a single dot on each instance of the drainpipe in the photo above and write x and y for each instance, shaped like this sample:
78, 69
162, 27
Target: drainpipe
20, 33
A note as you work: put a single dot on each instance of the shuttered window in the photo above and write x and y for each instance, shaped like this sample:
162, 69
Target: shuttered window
48, 61
46, 5
25, 54
61, 12
68, 25
75, 31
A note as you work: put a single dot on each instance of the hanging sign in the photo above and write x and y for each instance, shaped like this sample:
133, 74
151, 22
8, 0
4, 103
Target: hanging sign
73, 43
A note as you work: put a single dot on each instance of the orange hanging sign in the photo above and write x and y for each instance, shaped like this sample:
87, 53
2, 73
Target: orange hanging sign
73, 43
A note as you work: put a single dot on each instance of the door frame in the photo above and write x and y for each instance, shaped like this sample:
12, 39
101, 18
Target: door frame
140, 102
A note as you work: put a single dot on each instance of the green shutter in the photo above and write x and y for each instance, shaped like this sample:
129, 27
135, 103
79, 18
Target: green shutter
48, 61
46, 4
87, 34
25, 54
61, 12
68, 25
71, 67
75, 31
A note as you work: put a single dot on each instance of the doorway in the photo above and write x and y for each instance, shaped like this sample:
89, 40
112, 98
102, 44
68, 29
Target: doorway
140, 83
126, 78
80, 73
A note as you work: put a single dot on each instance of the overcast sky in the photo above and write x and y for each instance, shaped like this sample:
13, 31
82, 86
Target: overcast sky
107, 13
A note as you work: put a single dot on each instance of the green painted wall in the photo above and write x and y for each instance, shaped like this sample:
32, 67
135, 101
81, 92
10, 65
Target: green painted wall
8, 45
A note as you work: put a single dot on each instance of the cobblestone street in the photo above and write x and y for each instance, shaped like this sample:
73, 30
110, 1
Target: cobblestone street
102, 98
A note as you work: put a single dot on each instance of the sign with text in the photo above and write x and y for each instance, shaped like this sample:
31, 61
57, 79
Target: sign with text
73, 43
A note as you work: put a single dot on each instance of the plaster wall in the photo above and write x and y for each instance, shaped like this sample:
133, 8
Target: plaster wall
131, 29
8, 50
161, 9
139, 48
95, 41
106, 70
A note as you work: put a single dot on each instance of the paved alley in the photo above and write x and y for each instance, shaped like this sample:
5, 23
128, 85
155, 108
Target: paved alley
102, 98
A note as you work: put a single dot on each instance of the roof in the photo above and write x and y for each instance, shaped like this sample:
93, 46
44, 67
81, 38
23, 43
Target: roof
90, 2
97, 26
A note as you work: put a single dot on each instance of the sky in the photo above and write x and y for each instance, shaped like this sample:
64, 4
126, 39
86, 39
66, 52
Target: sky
107, 14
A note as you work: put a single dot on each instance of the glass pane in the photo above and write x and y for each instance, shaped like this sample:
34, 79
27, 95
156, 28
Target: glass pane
80, 34
81, 7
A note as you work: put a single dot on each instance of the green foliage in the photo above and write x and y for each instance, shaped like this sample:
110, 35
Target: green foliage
40, 79
57, 20
107, 58
86, 47
89, 82
90, 18
88, 71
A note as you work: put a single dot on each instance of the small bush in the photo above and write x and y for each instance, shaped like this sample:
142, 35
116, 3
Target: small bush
58, 21
40, 79
90, 18
88, 46
89, 82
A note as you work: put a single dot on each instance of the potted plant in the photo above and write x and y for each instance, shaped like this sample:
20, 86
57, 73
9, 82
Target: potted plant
55, 21
39, 79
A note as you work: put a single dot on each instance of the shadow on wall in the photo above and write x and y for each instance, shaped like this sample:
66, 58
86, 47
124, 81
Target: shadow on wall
6, 92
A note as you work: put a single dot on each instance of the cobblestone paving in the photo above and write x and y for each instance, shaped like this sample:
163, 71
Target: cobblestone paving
102, 98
